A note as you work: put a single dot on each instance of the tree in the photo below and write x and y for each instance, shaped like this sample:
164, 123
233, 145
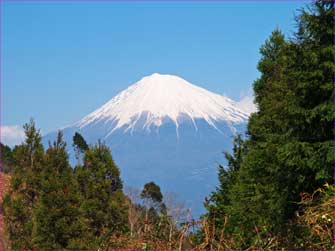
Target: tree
153, 201
291, 145
80, 145
18, 204
58, 221
7, 159
153, 192
290, 138
104, 204
219, 204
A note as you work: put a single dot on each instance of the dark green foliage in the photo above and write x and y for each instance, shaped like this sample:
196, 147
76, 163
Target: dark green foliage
7, 160
153, 192
155, 209
79, 142
264, 198
290, 146
219, 203
153, 198
104, 204
51, 206
58, 221
80, 145
48, 207
25, 189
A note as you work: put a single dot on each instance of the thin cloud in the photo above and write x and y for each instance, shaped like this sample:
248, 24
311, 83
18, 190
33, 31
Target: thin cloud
12, 135
247, 104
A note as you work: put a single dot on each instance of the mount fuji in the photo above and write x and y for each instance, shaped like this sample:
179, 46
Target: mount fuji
167, 130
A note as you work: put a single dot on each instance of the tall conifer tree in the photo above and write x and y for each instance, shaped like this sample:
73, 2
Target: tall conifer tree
58, 221
104, 206
80, 146
290, 145
18, 204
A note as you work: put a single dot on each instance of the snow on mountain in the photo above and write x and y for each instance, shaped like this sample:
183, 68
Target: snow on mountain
166, 130
156, 98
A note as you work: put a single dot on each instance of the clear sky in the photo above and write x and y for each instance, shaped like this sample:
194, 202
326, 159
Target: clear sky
62, 60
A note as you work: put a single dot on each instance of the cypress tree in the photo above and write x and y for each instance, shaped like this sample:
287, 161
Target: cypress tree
104, 205
290, 138
80, 145
24, 192
257, 201
219, 204
153, 192
153, 203
58, 221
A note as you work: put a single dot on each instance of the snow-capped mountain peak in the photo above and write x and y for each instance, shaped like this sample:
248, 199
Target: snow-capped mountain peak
158, 97
165, 129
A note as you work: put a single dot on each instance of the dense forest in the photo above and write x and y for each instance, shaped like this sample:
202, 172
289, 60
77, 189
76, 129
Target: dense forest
275, 193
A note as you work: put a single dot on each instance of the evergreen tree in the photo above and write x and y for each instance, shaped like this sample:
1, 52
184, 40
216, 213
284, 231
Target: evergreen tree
7, 159
219, 203
153, 197
80, 145
58, 222
290, 139
153, 192
104, 205
153, 203
18, 204
257, 201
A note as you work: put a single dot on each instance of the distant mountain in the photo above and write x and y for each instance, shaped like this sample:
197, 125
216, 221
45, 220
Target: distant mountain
165, 129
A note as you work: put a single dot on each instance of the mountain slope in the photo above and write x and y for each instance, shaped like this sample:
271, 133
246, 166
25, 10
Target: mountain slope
164, 129
156, 98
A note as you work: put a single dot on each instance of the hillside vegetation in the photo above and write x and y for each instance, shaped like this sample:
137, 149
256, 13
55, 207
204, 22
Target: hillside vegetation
275, 193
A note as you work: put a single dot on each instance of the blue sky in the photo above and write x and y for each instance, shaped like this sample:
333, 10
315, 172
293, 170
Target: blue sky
62, 60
